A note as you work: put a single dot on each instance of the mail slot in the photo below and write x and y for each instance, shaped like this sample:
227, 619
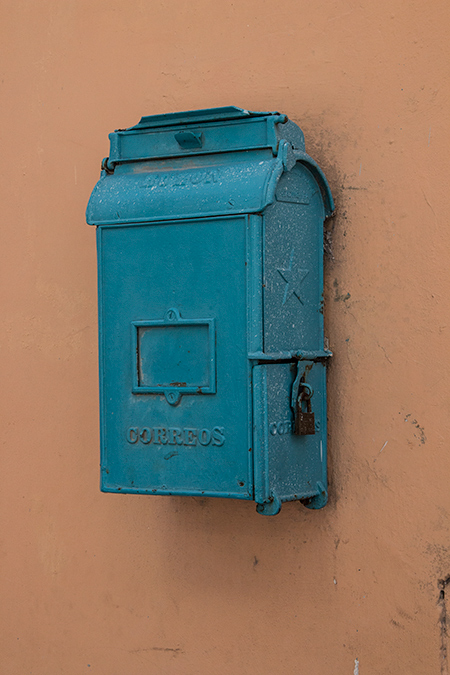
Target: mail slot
210, 268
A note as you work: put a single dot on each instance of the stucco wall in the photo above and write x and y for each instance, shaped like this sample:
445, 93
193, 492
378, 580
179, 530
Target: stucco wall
116, 584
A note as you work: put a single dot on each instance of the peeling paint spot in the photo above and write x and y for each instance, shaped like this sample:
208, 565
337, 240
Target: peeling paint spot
339, 296
420, 431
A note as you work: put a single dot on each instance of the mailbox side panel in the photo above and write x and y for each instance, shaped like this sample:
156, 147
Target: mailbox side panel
175, 377
288, 467
293, 264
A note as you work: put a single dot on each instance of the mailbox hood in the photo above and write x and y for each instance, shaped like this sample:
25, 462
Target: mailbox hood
222, 161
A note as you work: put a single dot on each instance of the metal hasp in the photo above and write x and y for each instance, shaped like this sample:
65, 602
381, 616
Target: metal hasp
210, 267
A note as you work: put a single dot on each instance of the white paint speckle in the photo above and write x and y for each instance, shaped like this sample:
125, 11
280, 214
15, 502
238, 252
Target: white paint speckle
356, 671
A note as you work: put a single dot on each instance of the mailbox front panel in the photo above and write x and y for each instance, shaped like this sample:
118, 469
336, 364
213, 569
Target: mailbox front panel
174, 370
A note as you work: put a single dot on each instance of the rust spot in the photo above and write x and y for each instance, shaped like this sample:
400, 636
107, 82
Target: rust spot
177, 384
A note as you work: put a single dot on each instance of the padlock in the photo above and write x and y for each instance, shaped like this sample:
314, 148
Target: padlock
304, 421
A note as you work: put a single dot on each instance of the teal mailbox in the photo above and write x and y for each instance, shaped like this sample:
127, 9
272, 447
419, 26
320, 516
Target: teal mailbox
210, 267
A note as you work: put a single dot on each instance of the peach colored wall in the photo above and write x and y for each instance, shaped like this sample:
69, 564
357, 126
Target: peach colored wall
126, 585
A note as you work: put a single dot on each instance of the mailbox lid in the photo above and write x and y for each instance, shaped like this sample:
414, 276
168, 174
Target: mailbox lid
174, 322
197, 132
219, 184
288, 467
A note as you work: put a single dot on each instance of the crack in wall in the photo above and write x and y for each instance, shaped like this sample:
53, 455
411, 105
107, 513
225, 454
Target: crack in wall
442, 585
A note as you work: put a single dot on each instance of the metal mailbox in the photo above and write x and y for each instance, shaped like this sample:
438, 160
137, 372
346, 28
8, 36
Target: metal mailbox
210, 266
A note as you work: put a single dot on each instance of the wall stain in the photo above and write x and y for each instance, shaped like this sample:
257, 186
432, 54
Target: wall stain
174, 650
397, 624
419, 433
339, 296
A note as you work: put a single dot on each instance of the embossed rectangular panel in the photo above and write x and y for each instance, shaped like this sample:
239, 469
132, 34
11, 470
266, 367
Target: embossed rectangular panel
174, 354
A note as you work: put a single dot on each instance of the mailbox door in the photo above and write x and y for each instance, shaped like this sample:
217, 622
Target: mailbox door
288, 467
175, 378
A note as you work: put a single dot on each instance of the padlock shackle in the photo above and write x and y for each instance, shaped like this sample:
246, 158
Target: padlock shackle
307, 391
298, 385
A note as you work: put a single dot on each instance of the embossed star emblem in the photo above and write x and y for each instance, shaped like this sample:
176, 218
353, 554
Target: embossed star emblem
293, 276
